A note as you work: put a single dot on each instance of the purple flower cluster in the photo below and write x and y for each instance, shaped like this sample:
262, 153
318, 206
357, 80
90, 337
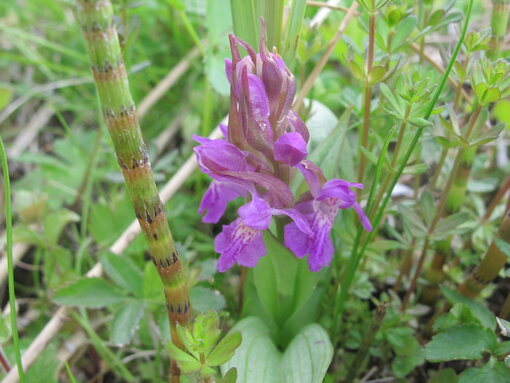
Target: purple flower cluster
264, 141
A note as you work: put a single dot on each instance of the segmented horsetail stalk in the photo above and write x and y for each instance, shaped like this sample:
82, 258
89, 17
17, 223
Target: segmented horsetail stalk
465, 156
106, 63
492, 262
499, 24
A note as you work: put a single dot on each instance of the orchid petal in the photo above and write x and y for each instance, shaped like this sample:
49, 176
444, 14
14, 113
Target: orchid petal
238, 243
216, 199
256, 214
290, 149
296, 240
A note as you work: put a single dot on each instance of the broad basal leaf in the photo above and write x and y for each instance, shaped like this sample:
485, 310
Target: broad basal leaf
305, 360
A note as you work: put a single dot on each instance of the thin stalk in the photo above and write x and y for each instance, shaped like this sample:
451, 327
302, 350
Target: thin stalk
343, 292
499, 23
405, 267
10, 264
493, 261
367, 95
354, 261
454, 200
439, 167
460, 84
495, 201
505, 310
96, 19
394, 161
366, 342
445, 198
444, 152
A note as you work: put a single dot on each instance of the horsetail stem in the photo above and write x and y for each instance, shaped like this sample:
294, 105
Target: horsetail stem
499, 23
107, 65
491, 264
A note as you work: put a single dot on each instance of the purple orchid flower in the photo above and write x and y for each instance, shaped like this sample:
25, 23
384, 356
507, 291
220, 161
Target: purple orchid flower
320, 209
241, 241
263, 142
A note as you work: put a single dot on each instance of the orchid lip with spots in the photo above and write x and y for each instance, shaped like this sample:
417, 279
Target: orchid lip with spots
264, 141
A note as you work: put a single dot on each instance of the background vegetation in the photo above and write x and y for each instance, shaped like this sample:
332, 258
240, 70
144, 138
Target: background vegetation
412, 303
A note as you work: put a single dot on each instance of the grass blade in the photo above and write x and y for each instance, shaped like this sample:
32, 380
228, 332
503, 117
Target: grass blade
10, 266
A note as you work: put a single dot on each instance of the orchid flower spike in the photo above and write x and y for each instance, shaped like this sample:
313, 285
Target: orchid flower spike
264, 142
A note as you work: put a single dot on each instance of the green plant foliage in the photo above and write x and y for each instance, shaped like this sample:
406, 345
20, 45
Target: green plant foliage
427, 82
89, 292
258, 359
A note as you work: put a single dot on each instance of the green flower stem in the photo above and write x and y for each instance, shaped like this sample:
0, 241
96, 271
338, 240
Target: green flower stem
10, 266
363, 140
96, 19
394, 162
499, 24
357, 254
493, 261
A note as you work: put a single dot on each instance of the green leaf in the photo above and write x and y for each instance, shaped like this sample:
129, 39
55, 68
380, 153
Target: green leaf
482, 313
497, 373
427, 207
451, 225
225, 349
480, 90
186, 362
376, 74
126, 320
388, 95
89, 292
206, 331
123, 272
486, 95
420, 122
230, 376
274, 289
305, 360
246, 25
293, 26
502, 349
204, 299
491, 95
404, 30
356, 70
409, 355
461, 342
502, 112
447, 375
55, 222
416, 169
